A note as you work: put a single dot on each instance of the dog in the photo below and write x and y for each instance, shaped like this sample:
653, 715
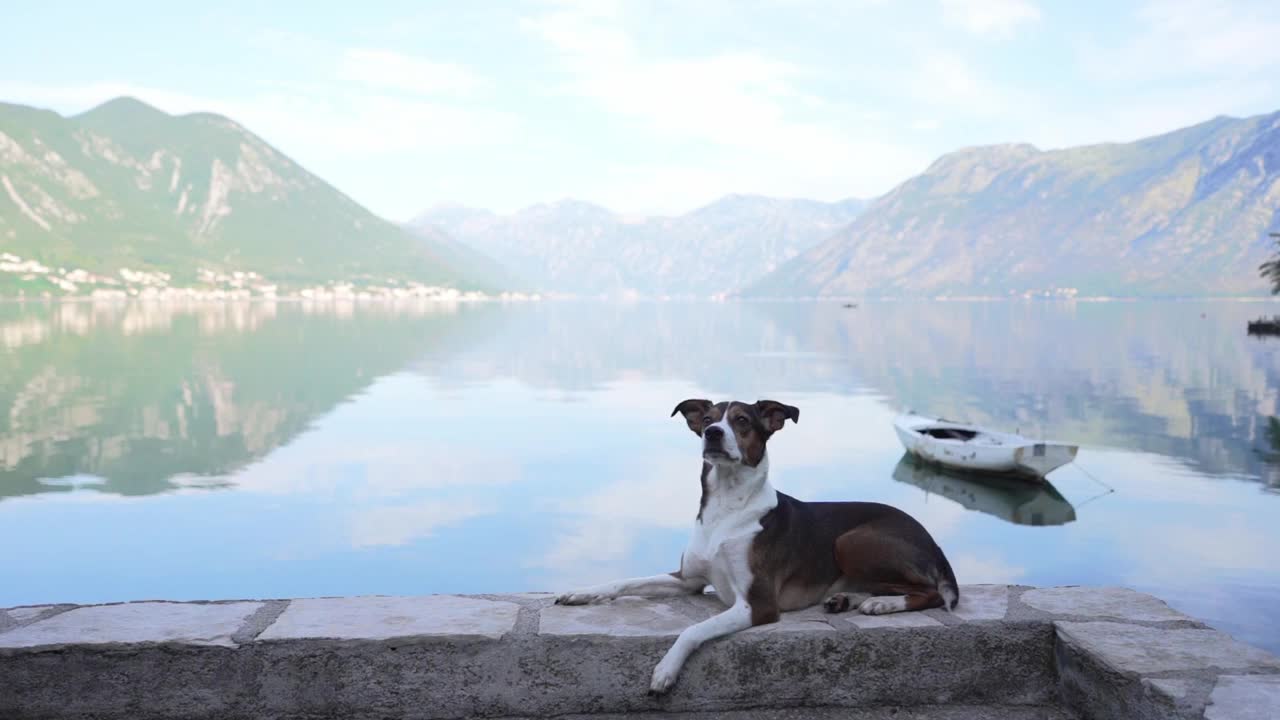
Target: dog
765, 552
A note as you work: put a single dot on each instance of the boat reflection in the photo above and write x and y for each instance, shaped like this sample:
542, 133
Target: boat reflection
1010, 499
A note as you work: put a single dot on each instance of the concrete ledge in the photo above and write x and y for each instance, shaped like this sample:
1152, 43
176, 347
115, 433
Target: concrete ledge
1007, 652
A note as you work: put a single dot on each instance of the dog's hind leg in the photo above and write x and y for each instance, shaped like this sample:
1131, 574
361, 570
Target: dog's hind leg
915, 599
896, 573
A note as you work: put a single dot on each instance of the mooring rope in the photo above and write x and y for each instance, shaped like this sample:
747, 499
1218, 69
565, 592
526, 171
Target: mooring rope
1094, 478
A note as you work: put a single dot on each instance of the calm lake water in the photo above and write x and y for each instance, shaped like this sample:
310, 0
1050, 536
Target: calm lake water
254, 451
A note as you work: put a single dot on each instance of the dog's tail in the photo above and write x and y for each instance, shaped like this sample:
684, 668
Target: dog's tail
947, 586
950, 594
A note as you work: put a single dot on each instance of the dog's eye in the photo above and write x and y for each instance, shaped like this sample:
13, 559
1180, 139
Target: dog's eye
706, 420
742, 421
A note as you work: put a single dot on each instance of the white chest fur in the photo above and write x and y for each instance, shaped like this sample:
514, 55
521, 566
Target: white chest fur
736, 500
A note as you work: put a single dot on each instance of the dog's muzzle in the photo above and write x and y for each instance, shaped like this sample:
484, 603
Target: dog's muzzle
713, 442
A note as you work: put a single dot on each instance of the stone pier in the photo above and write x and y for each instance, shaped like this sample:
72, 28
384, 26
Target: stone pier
1009, 652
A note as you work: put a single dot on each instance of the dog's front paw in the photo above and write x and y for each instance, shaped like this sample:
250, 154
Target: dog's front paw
664, 676
579, 598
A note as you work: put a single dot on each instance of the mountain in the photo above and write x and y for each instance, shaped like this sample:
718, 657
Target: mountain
1185, 213
125, 185
578, 247
460, 255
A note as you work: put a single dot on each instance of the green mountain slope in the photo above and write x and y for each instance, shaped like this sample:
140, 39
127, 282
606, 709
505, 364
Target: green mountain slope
1185, 213
125, 185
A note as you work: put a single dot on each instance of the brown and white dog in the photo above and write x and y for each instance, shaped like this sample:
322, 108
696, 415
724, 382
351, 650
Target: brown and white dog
765, 552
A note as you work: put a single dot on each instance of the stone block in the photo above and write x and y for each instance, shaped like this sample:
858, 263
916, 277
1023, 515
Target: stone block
23, 614
982, 602
1101, 602
135, 623
1245, 697
1145, 650
383, 618
628, 617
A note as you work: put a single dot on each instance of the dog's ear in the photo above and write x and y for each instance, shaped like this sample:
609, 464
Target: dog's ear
773, 414
693, 411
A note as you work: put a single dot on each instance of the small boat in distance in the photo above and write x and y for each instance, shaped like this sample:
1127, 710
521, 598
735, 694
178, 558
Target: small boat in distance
976, 449
1265, 326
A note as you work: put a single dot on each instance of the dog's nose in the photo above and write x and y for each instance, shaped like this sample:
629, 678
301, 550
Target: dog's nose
713, 433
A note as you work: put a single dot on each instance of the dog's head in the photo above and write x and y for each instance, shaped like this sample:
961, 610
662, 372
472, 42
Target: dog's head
735, 433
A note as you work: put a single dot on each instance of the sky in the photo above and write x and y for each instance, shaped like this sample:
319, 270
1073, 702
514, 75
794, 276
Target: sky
647, 107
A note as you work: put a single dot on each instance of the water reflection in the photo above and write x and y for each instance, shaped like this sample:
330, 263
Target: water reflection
1176, 378
1017, 501
145, 398
150, 397
368, 449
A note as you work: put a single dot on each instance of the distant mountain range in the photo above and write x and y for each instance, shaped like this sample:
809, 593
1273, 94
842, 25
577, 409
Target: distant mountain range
577, 247
125, 185
1185, 213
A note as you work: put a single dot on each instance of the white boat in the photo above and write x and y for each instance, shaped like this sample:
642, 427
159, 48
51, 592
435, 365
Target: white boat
976, 449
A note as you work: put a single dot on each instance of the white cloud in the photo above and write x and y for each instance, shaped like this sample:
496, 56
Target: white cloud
1190, 41
581, 28
391, 469
771, 136
361, 123
596, 543
1209, 36
947, 82
990, 17
729, 98
396, 71
399, 525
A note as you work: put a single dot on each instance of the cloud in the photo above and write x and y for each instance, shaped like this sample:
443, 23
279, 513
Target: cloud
747, 111
942, 83
396, 71
399, 525
729, 98
386, 469
1186, 41
596, 543
990, 17
366, 122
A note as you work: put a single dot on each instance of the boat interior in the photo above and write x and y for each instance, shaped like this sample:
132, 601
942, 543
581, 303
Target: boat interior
949, 433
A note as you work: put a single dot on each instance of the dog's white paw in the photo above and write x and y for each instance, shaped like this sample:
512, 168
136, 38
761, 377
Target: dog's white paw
882, 605
664, 676
580, 598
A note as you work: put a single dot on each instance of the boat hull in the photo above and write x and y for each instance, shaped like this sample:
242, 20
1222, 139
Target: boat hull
985, 452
